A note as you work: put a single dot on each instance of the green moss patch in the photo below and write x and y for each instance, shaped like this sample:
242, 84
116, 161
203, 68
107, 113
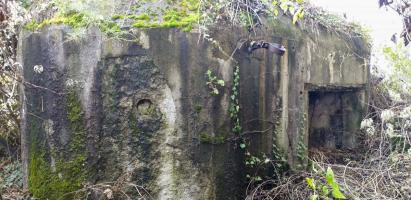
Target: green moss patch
60, 183
76, 120
69, 172
76, 21
172, 18
206, 138
178, 14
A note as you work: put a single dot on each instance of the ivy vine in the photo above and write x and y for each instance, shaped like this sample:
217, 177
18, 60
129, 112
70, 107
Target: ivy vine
234, 109
214, 83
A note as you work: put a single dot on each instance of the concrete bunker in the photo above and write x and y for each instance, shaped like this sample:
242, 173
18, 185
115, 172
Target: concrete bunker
146, 103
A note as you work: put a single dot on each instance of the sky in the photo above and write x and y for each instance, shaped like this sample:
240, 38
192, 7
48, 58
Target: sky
382, 22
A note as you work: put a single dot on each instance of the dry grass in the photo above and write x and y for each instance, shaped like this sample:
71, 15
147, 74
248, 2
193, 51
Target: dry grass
380, 169
387, 177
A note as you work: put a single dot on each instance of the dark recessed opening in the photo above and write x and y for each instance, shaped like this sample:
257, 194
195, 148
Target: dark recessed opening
145, 106
334, 121
326, 125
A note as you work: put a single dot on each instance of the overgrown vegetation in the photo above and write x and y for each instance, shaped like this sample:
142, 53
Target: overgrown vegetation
9, 70
398, 81
381, 174
336, 23
11, 179
185, 14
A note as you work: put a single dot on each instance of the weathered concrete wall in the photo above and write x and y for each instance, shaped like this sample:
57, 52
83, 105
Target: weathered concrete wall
105, 108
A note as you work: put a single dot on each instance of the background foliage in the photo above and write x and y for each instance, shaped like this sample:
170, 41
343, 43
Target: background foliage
11, 17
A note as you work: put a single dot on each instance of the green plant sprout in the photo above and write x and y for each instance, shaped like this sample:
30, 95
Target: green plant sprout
322, 190
214, 83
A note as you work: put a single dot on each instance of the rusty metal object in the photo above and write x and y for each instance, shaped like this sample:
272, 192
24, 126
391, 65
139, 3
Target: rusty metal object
272, 47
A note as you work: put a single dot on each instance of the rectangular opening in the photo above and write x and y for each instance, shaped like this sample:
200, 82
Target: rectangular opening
334, 119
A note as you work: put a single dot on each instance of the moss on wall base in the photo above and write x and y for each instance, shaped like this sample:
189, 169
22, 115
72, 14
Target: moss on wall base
52, 174
61, 183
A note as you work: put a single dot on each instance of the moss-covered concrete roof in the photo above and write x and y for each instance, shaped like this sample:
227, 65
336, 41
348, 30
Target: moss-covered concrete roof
187, 15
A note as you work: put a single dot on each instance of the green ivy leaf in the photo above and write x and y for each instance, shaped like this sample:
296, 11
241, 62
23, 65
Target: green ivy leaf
215, 91
310, 183
336, 193
325, 190
295, 18
329, 176
313, 197
242, 145
292, 10
221, 82
275, 11
301, 14
284, 6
